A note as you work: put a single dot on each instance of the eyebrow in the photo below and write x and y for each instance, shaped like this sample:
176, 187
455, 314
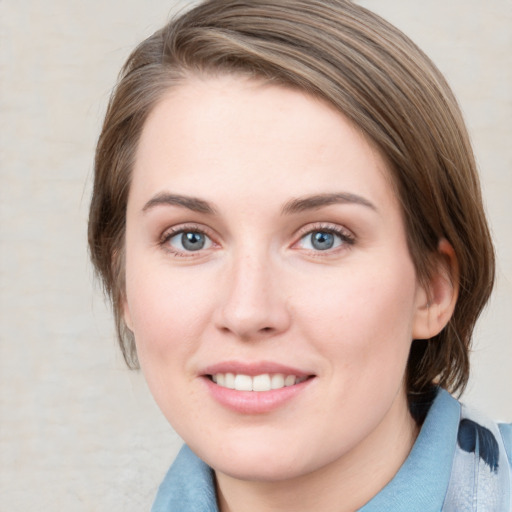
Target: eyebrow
297, 205
320, 200
191, 203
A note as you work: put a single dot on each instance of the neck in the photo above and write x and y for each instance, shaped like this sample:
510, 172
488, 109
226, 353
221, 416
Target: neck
344, 485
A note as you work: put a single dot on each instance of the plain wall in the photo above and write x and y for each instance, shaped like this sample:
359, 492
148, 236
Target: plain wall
78, 431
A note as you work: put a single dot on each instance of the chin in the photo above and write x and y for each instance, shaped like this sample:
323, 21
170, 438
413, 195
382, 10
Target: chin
258, 461
269, 470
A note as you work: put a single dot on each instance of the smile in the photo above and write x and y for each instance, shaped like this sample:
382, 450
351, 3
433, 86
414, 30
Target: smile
255, 388
262, 382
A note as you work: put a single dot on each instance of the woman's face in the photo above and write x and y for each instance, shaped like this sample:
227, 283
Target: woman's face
265, 249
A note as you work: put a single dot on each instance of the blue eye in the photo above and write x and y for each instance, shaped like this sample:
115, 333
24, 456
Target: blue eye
322, 240
190, 241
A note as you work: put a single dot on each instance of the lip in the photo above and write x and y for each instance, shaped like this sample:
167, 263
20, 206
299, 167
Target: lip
254, 402
253, 369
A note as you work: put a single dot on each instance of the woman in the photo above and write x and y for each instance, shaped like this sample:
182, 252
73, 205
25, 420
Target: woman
287, 217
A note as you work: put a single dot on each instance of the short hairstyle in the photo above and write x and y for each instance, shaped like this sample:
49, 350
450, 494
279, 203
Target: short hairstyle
377, 78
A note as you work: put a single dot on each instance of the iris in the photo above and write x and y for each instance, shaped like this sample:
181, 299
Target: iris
193, 241
322, 240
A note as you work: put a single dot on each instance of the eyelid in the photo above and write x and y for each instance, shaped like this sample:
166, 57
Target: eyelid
346, 235
348, 238
172, 231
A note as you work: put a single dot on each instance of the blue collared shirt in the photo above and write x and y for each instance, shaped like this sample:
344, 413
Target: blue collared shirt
458, 463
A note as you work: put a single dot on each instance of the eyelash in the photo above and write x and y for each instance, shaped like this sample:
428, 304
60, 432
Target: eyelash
345, 236
180, 230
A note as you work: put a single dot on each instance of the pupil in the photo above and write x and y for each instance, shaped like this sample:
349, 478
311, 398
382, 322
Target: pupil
322, 240
192, 241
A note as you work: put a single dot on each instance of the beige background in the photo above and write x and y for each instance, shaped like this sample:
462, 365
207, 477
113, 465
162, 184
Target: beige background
78, 431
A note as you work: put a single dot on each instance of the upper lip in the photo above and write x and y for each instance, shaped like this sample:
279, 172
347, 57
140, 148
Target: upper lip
252, 368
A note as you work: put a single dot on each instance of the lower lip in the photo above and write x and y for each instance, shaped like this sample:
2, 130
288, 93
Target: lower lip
255, 402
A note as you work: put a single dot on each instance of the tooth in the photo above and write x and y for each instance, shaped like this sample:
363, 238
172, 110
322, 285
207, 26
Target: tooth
261, 382
290, 380
229, 380
243, 383
277, 381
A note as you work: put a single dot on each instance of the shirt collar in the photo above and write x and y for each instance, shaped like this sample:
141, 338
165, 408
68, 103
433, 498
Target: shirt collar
420, 484
422, 481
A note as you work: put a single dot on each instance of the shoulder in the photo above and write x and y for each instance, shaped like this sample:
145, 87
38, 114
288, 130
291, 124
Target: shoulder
188, 485
506, 434
477, 433
481, 469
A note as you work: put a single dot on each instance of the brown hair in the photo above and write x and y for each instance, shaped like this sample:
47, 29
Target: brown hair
375, 76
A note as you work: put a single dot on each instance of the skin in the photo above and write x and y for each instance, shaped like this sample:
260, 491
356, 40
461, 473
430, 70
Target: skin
260, 291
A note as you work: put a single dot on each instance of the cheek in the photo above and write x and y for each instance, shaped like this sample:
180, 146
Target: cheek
364, 316
168, 309
169, 315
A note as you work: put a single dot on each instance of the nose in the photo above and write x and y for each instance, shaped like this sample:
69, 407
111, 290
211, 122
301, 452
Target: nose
253, 305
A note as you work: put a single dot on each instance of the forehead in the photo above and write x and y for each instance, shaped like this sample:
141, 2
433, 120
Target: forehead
240, 132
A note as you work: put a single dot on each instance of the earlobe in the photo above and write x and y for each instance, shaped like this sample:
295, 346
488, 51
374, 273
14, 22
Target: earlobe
127, 315
437, 301
118, 269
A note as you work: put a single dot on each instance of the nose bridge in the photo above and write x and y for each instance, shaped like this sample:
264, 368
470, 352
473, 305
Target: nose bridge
253, 304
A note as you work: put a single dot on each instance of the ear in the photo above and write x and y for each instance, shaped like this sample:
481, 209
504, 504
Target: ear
437, 298
118, 270
127, 317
